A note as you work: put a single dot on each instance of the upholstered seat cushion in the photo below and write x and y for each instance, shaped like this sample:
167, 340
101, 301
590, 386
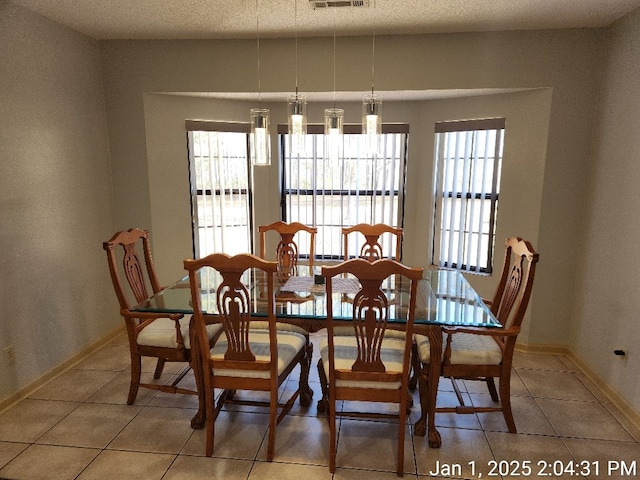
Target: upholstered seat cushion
289, 345
280, 326
347, 331
466, 349
346, 352
162, 333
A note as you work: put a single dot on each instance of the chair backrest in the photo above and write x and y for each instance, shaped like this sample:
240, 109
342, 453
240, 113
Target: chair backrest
287, 252
371, 315
138, 271
372, 248
233, 301
516, 282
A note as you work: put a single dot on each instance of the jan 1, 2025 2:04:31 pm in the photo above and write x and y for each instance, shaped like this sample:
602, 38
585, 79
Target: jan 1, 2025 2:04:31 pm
538, 468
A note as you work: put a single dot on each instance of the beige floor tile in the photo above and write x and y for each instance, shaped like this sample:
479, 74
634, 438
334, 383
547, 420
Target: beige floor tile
74, 385
583, 420
446, 419
9, 451
156, 429
111, 357
116, 390
47, 462
237, 435
518, 456
114, 465
592, 387
30, 418
517, 387
358, 474
539, 361
527, 415
357, 439
551, 384
197, 468
90, 425
627, 424
300, 440
288, 471
460, 447
622, 455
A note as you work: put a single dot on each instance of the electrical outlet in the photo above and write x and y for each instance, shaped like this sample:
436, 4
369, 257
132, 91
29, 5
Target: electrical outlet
9, 356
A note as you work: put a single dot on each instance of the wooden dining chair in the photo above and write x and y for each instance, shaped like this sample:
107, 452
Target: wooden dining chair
487, 353
246, 358
368, 365
372, 248
287, 251
163, 336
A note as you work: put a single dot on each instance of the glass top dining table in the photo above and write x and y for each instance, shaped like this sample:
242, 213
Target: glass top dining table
445, 299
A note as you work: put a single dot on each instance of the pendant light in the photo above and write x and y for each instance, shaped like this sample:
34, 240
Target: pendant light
260, 138
333, 117
297, 107
372, 107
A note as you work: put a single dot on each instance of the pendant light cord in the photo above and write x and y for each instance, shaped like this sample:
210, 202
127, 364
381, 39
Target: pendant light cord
258, 54
295, 21
334, 58
373, 49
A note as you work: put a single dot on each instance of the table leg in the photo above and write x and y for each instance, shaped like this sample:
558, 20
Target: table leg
429, 389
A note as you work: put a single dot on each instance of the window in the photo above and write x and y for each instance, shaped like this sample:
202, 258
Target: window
468, 160
331, 193
220, 187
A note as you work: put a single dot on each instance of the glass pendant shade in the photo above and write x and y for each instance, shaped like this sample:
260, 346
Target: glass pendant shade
333, 130
297, 108
372, 121
260, 137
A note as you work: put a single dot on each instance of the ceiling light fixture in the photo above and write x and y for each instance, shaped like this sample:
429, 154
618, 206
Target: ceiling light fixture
372, 106
333, 117
260, 138
297, 107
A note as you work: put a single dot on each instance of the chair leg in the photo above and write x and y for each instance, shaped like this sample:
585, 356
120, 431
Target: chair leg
491, 385
332, 435
324, 385
210, 420
306, 393
415, 367
159, 368
402, 420
505, 401
273, 414
136, 368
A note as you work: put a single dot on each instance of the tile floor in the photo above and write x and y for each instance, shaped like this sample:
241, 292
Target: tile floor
78, 426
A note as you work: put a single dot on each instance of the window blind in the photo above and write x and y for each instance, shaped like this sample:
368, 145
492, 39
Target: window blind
468, 164
220, 187
357, 187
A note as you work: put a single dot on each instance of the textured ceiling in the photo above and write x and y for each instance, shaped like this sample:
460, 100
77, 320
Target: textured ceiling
208, 19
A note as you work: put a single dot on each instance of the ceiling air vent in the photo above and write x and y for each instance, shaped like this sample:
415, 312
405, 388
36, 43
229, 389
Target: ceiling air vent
316, 4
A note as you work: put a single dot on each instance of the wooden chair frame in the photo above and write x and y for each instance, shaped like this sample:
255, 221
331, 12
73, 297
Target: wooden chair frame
509, 305
369, 323
233, 302
372, 249
136, 270
287, 252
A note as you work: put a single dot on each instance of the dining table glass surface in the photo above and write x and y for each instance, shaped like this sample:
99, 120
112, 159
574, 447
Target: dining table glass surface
445, 297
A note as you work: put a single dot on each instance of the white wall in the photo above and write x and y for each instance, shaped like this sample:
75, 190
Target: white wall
55, 197
607, 302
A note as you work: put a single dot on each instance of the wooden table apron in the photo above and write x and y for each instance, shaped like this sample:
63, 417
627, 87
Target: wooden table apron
312, 323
